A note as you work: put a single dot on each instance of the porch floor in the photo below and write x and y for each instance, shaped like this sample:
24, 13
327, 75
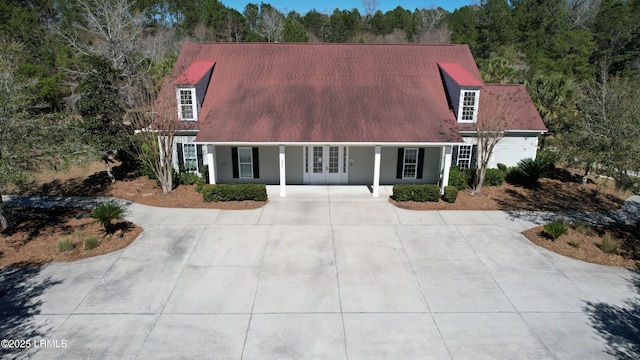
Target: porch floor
330, 192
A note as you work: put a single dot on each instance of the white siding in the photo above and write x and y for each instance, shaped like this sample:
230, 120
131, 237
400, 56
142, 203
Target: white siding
511, 149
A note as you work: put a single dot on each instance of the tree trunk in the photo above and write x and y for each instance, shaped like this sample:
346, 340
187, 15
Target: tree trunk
107, 159
4, 224
480, 173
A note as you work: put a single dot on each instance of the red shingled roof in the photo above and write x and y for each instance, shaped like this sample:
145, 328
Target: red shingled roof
194, 73
511, 101
460, 75
326, 92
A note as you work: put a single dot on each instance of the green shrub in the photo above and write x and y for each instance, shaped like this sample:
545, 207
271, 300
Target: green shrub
493, 177
450, 194
555, 229
609, 243
458, 178
188, 178
529, 171
549, 156
65, 245
234, 192
416, 192
106, 213
502, 167
90, 242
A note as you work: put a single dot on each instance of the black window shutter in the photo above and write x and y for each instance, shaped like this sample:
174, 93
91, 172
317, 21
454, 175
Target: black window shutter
420, 163
180, 156
400, 163
454, 156
256, 163
474, 156
234, 162
200, 160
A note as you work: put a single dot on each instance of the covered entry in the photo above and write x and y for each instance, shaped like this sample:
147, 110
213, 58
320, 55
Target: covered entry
326, 164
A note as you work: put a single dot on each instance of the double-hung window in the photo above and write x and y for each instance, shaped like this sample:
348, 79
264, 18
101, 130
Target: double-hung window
190, 157
245, 162
464, 156
410, 163
187, 109
468, 111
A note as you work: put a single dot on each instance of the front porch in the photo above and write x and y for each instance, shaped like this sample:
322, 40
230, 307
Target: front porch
371, 167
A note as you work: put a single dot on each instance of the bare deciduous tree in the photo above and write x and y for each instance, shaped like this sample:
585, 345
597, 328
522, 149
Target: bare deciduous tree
155, 126
494, 115
370, 7
112, 30
271, 24
582, 12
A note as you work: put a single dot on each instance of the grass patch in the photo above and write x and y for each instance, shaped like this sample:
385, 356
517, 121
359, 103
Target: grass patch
90, 242
65, 245
609, 244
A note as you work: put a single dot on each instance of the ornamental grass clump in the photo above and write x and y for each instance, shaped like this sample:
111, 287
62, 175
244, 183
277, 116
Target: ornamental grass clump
555, 229
609, 243
65, 245
106, 213
90, 242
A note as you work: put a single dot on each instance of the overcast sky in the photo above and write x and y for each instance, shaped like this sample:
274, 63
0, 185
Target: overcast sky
327, 6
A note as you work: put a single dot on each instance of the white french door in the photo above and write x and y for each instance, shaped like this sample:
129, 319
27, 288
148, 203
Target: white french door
325, 164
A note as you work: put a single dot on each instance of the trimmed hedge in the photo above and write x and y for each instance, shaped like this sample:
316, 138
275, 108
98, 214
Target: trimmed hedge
450, 194
458, 178
234, 192
416, 192
493, 177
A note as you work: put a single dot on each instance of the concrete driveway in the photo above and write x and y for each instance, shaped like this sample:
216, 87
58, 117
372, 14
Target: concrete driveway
322, 275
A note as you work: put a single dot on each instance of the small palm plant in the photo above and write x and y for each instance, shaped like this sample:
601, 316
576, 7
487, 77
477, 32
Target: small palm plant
106, 213
530, 171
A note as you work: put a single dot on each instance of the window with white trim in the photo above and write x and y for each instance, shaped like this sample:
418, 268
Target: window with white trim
190, 157
187, 109
245, 162
464, 156
410, 163
468, 111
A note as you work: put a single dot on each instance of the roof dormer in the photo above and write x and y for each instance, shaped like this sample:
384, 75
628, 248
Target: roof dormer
463, 90
191, 87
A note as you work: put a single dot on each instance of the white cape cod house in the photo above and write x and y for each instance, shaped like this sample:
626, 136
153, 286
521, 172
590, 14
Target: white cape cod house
338, 113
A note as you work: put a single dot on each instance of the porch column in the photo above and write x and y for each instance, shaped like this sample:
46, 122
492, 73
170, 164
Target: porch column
376, 172
447, 165
211, 163
283, 172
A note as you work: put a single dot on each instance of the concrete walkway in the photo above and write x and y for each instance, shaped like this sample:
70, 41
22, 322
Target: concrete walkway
327, 273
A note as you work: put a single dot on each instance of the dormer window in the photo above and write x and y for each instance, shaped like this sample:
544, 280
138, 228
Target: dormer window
468, 111
187, 110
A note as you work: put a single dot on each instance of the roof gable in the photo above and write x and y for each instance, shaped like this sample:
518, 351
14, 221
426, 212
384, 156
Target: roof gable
514, 103
194, 73
460, 75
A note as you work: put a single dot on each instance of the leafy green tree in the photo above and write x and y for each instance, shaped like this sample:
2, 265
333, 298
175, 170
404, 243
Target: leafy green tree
555, 98
344, 25
616, 31
462, 23
497, 70
102, 109
29, 140
294, 31
495, 27
317, 23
